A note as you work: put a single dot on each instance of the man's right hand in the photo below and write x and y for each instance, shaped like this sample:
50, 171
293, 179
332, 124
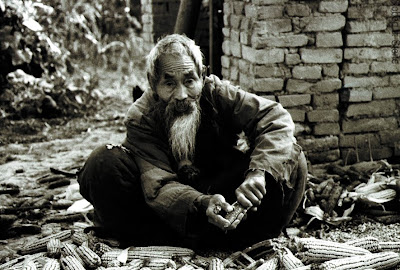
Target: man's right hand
216, 204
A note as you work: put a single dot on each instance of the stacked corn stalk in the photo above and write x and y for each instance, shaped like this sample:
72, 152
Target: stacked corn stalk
333, 200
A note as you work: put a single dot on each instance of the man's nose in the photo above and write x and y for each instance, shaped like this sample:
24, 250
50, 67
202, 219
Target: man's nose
181, 92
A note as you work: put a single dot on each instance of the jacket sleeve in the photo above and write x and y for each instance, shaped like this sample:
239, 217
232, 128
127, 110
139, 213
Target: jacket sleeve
268, 126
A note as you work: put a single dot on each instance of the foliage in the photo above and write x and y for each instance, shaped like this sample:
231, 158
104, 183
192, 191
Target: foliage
43, 45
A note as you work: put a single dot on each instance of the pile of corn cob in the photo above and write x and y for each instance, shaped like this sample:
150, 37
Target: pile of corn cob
333, 200
76, 250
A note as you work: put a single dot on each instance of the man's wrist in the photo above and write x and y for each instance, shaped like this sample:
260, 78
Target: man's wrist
201, 202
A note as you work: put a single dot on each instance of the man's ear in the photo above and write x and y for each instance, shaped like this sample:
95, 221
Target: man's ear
204, 71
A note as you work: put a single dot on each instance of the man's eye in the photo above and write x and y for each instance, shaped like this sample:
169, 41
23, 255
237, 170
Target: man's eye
189, 82
169, 83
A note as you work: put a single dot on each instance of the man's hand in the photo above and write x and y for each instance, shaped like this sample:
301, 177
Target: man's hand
216, 205
250, 193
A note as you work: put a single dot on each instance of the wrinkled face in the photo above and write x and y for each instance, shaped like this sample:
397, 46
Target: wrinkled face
180, 85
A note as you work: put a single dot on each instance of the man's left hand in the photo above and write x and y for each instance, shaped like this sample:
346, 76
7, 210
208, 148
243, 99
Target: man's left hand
250, 193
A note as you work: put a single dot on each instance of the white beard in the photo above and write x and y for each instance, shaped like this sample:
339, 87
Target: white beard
182, 135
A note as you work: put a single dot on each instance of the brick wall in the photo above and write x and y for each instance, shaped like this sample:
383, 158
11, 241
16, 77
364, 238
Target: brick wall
329, 63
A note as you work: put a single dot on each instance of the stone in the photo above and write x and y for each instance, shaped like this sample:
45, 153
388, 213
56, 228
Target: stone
263, 12
384, 67
236, 49
356, 68
266, 56
272, 26
326, 101
326, 129
307, 72
356, 95
279, 41
292, 59
329, 40
298, 86
297, 115
371, 39
386, 92
332, 22
321, 55
319, 144
360, 54
338, 6
376, 108
294, 100
326, 86
369, 125
298, 10
320, 116
268, 84
225, 61
366, 26
331, 70
264, 71
235, 21
371, 81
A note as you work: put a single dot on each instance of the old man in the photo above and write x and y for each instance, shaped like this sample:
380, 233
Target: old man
179, 171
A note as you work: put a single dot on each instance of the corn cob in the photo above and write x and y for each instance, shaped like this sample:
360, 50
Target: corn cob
113, 263
174, 251
370, 188
54, 248
187, 267
160, 264
135, 264
390, 246
69, 249
382, 260
78, 238
134, 254
51, 264
270, 264
254, 264
216, 264
101, 248
237, 210
369, 243
89, 257
71, 263
317, 250
289, 261
380, 197
41, 244
29, 265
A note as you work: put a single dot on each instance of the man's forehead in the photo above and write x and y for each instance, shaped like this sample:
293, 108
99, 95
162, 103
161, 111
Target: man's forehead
172, 63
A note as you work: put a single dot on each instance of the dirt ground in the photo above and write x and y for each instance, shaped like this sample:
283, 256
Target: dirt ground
27, 155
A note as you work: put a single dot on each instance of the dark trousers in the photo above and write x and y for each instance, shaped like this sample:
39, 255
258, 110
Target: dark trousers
110, 180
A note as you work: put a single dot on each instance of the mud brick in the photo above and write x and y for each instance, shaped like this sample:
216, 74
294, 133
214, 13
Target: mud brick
226, 19
356, 95
234, 73
332, 22
235, 21
273, 26
298, 10
226, 48
323, 115
331, 70
246, 24
226, 32
390, 137
294, 100
236, 48
147, 18
265, 71
372, 81
326, 101
321, 55
365, 154
268, 2
329, 40
225, 61
246, 81
292, 59
357, 54
266, 56
235, 34
281, 41
376, 108
245, 66
245, 37
298, 86
319, 144
301, 129
327, 129
307, 72
369, 125
366, 26
264, 12
394, 79
386, 92
362, 140
297, 115
338, 6
225, 73
323, 157
371, 39
268, 84
228, 7
351, 68
383, 67
326, 86
360, 12
238, 7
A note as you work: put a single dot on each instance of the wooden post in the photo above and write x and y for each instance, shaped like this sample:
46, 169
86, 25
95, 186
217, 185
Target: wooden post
211, 37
